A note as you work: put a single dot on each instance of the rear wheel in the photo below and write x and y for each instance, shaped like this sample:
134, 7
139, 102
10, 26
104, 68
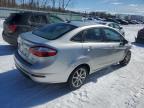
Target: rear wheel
126, 59
78, 77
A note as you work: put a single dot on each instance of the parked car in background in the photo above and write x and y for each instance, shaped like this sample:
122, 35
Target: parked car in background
122, 22
140, 36
136, 22
115, 26
130, 22
69, 52
100, 19
112, 20
18, 23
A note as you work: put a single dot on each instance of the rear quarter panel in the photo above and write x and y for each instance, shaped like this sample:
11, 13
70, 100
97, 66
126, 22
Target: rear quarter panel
70, 55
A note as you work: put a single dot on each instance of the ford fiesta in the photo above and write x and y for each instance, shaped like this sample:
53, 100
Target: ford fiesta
69, 52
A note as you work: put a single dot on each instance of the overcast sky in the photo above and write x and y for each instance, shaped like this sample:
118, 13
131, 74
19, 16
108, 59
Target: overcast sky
113, 6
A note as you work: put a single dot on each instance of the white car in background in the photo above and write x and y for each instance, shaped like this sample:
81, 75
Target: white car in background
115, 26
110, 24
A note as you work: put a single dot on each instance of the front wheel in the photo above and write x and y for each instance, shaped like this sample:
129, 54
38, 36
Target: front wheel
77, 77
126, 59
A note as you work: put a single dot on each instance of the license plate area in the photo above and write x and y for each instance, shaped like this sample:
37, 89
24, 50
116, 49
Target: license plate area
23, 50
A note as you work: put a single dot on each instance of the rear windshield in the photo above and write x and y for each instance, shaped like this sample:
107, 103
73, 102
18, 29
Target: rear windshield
53, 31
14, 18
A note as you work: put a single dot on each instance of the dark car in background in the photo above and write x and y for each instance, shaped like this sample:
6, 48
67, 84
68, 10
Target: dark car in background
112, 20
140, 36
122, 22
18, 23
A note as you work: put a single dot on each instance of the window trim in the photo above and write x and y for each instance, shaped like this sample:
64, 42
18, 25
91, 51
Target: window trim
83, 37
102, 33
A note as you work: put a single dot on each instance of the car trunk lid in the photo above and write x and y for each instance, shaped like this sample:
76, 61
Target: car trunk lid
27, 41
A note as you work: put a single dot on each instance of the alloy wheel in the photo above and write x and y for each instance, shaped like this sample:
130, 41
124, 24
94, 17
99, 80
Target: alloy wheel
79, 77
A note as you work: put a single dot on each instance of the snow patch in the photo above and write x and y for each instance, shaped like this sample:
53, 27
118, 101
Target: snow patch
112, 87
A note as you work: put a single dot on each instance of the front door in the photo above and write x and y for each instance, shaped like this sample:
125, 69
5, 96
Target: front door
99, 53
113, 40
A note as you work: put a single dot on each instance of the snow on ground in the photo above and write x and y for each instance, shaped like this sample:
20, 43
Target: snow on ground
131, 31
112, 87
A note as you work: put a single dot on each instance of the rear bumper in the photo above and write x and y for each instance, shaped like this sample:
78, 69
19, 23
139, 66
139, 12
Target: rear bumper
11, 39
25, 69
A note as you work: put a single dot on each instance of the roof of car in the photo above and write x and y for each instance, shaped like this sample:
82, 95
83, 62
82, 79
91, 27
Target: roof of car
83, 23
37, 13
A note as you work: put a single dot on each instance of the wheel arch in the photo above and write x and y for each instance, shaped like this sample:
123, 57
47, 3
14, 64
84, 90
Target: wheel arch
80, 65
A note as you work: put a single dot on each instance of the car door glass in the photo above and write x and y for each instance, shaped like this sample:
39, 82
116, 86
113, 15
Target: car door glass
116, 26
43, 19
78, 37
35, 19
38, 19
93, 35
32, 19
53, 19
111, 35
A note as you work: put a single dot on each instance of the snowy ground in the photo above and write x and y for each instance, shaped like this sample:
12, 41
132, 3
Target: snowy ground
112, 87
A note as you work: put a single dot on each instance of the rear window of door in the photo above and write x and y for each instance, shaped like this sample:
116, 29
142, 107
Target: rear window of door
93, 35
111, 35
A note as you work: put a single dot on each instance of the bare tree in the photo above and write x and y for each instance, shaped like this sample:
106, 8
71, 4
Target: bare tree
22, 3
37, 4
7, 3
13, 2
45, 3
53, 3
68, 2
65, 3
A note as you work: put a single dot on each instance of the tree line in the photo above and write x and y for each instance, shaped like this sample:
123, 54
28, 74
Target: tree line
56, 5
49, 5
102, 15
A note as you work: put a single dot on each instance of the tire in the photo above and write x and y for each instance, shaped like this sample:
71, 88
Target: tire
126, 59
77, 77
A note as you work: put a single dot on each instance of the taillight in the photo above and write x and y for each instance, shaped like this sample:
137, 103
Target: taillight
42, 51
12, 28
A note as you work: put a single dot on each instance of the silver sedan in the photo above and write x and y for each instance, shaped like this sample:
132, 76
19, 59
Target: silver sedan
69, 52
